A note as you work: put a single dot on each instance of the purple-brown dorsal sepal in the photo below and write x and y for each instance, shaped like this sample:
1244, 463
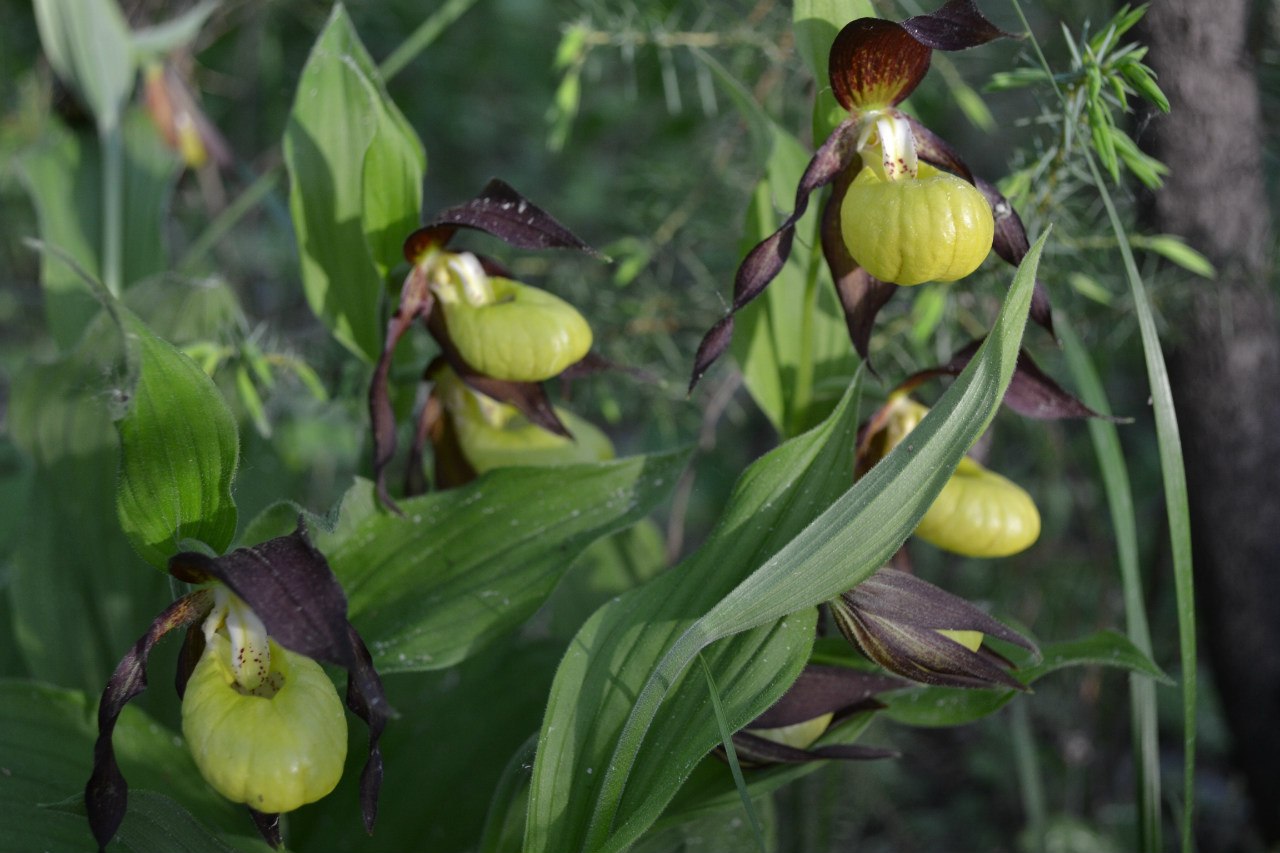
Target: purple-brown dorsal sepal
503, 212
1011, 244
766, 259
956, 26
106, 795
936, 151
861, 295
1032, 393
756, 750
530, 398
192, 650
822, 689
287, 582
268, 825
367, 700
875, 64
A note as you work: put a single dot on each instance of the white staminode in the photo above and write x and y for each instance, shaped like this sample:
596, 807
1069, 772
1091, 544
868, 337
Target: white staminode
250, 649
891, 132
470, 275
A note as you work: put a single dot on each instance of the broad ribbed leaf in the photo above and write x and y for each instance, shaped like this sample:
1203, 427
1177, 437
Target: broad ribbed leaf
78, 599
47, 744
178, 453
629, 711
355, 184
87, 43
616, 651
942, 706
463, 566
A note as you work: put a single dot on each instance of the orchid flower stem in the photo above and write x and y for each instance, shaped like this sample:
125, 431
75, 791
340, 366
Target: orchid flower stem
112, 141
802, 393
1169, 442
1030, 783
230, 216
421, 38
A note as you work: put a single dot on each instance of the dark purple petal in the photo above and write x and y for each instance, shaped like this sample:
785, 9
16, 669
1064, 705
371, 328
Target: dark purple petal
192, 650
289, 585
752, 749
1032, 393
415, 474
416, 301
875, 63
366, 699
269, 827
451, 466
822, 689
956, 26
1011, 245
106, 795
861, 295
503, 212
765, 260
936, 151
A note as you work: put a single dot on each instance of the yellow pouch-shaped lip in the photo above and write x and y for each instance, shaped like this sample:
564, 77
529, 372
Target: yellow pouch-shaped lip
519, 442
936, 227
798, 735
980, 514
524, 335
274, 751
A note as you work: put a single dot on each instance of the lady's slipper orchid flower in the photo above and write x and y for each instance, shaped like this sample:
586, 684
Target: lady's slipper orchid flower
905, 208
978, 513
174, 112
472, 433
263, 721
822, 695
500, 337
921, 632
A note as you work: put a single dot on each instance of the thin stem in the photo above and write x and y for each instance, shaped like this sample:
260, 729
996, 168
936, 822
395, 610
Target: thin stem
230, 216
1175, 482
112, 142
421, 38
1029, 783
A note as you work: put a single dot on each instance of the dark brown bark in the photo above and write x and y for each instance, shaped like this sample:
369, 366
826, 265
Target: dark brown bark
1226, 365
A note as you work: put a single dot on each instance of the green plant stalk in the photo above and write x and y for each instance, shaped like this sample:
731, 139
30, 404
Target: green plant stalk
1142, 691
726, 737
422, 37
1175, 478
111, 138
802, 393
1030, 785
230, 216
1179, 515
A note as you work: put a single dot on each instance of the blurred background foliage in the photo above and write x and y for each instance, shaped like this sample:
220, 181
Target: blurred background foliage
608, 114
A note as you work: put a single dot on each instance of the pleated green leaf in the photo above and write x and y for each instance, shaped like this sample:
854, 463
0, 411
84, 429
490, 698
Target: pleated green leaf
88, 44
178, 452
466, 565
355, 184
623, 726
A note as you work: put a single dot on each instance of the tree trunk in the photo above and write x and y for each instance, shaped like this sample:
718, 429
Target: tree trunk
1226, 366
